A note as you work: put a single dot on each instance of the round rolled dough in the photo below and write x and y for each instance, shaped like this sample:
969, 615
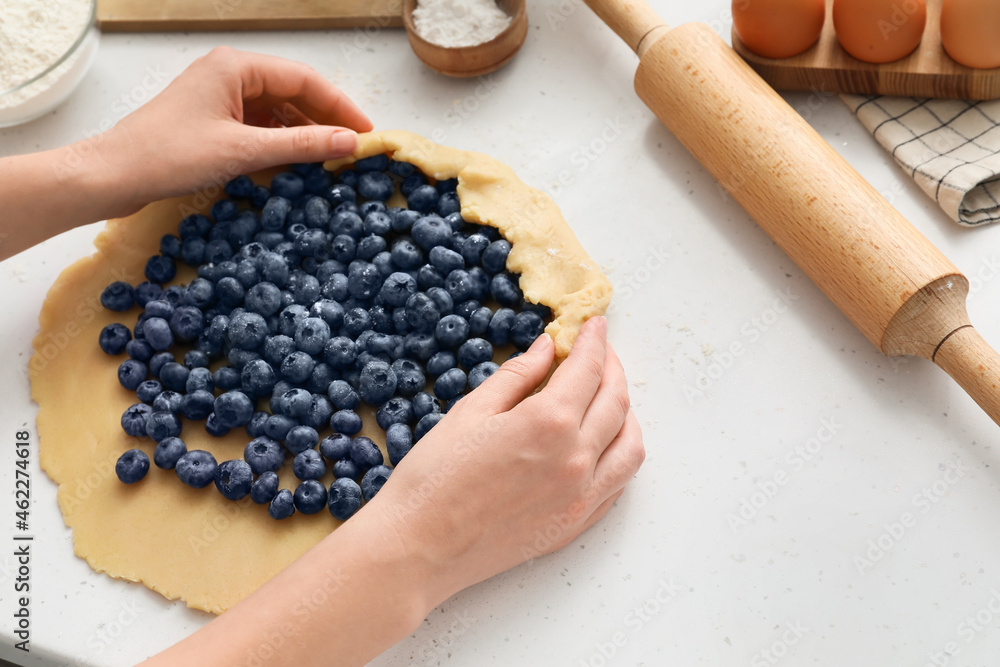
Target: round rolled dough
194, 544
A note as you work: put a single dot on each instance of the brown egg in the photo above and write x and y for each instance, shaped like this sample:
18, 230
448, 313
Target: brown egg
879, 31
970, 32
778, 28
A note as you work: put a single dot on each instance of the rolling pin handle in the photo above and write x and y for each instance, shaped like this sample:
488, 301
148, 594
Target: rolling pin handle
632, 20
974, 365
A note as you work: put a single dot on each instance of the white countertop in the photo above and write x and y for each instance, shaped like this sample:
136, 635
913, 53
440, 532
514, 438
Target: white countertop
824, 443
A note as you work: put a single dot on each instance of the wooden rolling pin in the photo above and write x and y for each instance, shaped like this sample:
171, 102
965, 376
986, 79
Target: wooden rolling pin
883, 274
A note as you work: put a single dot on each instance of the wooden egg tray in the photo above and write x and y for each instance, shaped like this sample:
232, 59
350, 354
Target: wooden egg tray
827, 67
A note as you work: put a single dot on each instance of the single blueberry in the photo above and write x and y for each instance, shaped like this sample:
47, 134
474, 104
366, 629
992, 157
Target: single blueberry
240, 187
398, 442
264, 298
282, 505
500, 326
320, 411
451, 331
397, 410
290, 318
114, 338
308, 464
460, 285
131, 374
422, 312
174, 376
329, 311
187, 323
441, 362
161, 425
232, 409
255, 427
340, 352
346, 468
224, 209
445, 260
196, 468
247, 331
410, 378
426, 423
345, 421
422, 198
479, 321
139, 350
199, 378
196, 359
343, 396
214, 427
239, 359
193, 251
168, 401
424, 404
375, 185
527, 327
420, 345
278, 426
504, 289
450, 384
312, 335
275, 213
265, 488
132, 466
160, 269
405, 255
378, 383
448, 204
226, 378
233, 479
363, 280
340, 193
310, 496
474, 352
197, 405
335, 447
158, 334
168, 451
430, 231
300, 438
118, 296
481, 372
344, 498
348, 223
288, 185
365, 453
145, 292
134, 419
149, 390
374, 480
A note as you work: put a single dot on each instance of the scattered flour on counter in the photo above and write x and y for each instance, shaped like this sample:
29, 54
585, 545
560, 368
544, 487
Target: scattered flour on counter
456, 23
34, 34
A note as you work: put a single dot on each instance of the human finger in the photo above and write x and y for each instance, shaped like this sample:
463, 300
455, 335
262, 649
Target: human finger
315, 96
573, 385
607, 412
515, 379
622, 459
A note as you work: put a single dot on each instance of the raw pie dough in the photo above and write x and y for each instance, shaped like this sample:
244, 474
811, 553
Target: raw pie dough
194, 544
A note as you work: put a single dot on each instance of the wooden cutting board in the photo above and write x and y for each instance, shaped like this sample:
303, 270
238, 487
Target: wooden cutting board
174, 15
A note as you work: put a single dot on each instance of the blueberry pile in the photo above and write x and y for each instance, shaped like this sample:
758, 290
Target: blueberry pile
312, 297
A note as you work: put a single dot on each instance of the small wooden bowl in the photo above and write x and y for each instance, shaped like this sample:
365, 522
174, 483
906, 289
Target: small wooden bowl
470, 61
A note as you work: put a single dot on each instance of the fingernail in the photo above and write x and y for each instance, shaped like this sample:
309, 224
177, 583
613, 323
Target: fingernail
343, 142
599, 325
540, 343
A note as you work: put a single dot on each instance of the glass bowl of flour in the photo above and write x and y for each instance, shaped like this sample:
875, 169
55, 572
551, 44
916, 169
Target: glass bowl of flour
46, 48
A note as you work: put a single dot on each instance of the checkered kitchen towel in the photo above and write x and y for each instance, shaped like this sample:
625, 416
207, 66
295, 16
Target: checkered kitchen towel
951, 148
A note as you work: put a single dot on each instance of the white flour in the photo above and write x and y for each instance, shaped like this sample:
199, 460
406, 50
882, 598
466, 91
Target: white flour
34, 34
452, 23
